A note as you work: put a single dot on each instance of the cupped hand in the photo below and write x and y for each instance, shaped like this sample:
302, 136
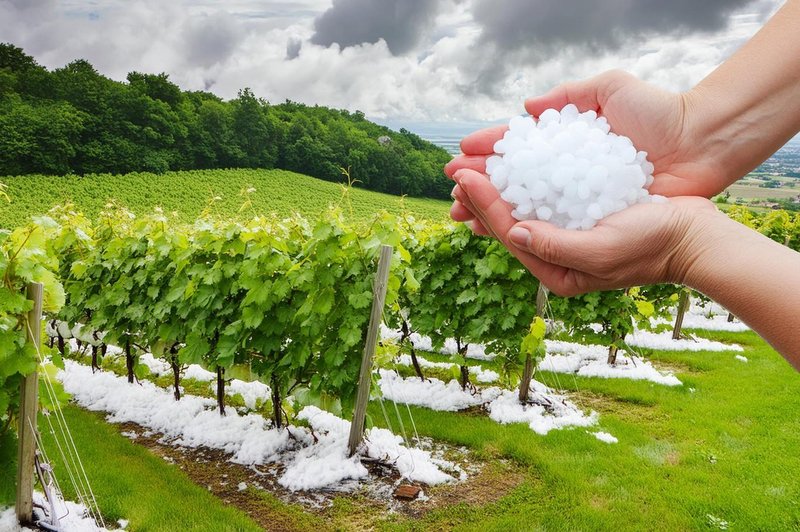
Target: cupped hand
659, 122
643, 244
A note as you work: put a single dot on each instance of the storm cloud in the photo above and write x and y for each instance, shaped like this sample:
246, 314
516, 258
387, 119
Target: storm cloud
401, 23
529, 32
608, 24
212, 39
293, 47
445, 59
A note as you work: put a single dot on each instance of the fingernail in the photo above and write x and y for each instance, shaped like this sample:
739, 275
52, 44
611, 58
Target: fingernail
519, 236
459, 178
453, 192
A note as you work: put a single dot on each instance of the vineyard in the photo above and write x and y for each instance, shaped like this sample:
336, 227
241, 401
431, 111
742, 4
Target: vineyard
246, 336
233, 194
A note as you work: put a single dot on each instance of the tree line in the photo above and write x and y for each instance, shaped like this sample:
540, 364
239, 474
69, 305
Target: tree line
75, 120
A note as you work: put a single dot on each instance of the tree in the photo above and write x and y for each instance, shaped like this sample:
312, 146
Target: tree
254, 131
157, 87
38, 138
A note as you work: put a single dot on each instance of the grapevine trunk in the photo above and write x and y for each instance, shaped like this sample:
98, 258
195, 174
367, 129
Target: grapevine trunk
525, 383
406, 335
95, 365
683, 306
612, 354
221, 390
129, 358
276, 403
176, 372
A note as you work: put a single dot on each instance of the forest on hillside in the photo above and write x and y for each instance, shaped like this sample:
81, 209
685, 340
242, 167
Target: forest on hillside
73, 120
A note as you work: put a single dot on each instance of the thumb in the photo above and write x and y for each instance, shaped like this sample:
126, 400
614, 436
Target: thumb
563, 247
586, 95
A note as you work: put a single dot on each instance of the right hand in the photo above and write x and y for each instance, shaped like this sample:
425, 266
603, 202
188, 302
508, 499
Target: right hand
659, 122
643, 244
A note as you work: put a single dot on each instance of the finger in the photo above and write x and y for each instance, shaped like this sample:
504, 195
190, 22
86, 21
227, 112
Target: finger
464, 199
478, 228
583, 95
482, 142
578, 250
586, 94
473, 162
489, 207
460, 213
563, 280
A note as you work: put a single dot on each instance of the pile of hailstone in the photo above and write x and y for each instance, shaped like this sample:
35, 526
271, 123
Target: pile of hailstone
569, 169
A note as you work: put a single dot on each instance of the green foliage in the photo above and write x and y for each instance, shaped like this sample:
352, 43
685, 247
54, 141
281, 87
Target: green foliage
447, 303
617, 311
25, 256
470, 289
778, 226
289, 298
74, 120
533, 345
742, 214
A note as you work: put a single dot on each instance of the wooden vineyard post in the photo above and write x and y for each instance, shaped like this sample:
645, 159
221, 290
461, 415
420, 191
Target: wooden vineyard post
365, 375
28, 406
683, 306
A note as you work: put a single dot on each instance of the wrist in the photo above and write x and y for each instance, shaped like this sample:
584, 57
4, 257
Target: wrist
699, 234
706, 121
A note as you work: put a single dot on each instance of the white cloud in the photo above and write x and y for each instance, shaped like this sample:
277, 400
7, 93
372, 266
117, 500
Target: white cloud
202, 46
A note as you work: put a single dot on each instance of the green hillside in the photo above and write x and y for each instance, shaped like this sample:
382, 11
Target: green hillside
74, 120
187, 194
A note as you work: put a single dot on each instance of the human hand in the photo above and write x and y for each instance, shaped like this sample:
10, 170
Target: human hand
643, 244
657, 121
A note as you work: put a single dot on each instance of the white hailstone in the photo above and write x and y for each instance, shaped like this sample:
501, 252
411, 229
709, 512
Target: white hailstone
569, 169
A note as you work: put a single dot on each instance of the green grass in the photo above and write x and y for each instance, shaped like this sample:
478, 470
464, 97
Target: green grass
728, 449
187, 194
723, 445
132, 483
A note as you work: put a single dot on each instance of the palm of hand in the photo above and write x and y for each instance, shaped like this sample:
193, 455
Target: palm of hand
655, 120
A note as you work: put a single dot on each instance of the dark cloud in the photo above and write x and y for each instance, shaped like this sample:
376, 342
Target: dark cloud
401, 23
531, 31
31, 4
293, 46
607, 24
211, 40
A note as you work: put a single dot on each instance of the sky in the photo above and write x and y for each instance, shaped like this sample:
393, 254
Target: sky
401, 62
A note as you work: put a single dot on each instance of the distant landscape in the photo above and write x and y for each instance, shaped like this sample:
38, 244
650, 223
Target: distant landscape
75, 121
774, 184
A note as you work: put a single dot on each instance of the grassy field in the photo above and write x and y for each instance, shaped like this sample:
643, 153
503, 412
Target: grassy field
132, 483
720, 448
187, 194
751, 191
